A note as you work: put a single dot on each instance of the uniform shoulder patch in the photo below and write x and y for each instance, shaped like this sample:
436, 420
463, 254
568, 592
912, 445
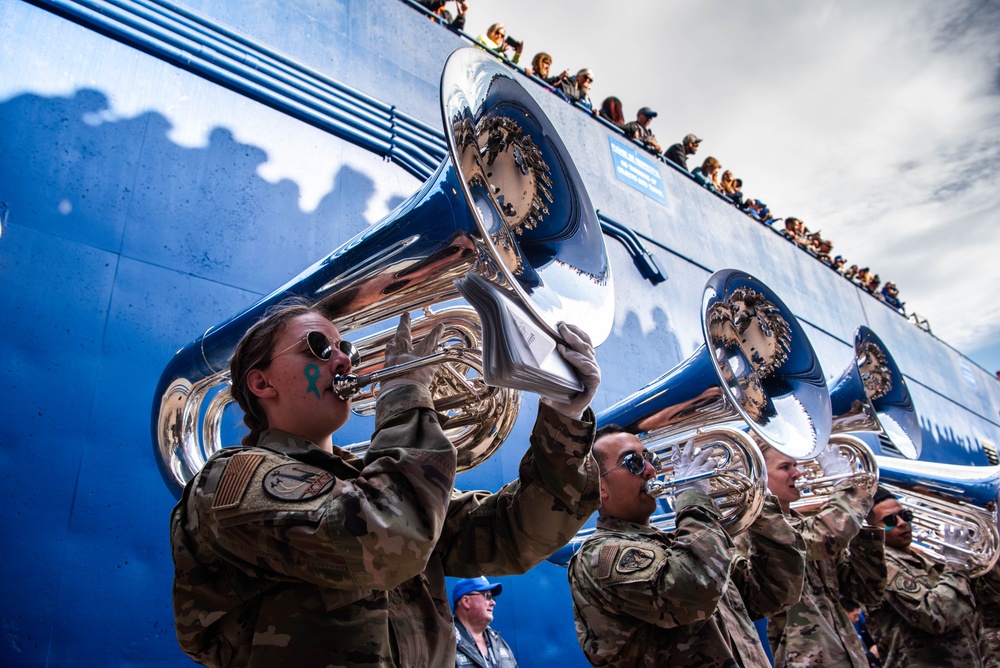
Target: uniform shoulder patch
635, 559
236, 477
905, 583
297, 482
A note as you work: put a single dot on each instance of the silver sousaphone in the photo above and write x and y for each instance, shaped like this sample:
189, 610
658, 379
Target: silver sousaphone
507, 203
870, 396
757, 370
944, 497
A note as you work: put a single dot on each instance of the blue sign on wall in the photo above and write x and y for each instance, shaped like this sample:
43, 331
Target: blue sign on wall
637, 170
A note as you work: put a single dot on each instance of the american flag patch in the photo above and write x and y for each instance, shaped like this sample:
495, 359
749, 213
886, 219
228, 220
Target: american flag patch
235, 479
606, 560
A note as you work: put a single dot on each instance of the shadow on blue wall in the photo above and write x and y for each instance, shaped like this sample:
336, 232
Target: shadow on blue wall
119, 246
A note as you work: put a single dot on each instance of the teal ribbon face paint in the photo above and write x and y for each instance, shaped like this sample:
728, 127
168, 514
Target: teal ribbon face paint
312, 374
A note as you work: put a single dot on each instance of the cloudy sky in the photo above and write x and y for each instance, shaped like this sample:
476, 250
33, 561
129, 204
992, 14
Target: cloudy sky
877, 123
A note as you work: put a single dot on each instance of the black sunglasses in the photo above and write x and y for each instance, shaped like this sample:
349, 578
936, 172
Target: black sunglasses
892, 520
635, 463
488, 595
320, 347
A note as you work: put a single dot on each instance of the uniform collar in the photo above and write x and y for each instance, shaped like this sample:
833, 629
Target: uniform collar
306, 451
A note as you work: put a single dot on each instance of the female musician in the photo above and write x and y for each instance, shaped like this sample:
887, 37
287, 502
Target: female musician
291, 551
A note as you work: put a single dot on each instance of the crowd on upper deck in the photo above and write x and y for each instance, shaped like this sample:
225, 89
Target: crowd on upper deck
576, 89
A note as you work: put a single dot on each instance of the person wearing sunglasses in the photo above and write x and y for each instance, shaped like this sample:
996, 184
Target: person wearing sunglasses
928, 614
473, 600
577, 89
290, 551
843, 558
643, 597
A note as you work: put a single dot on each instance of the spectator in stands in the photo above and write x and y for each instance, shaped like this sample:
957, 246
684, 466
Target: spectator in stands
611, 111
822, 248
706, 174
838, 264
873, 284
678, 153
728, 185
577, 89
737, 195
791, 231
444, 16
862, 277
540, 66
759, 211
890, 294
496, 40
639, 130
852, 273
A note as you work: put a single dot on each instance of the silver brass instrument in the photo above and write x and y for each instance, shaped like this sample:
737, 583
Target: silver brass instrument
945, 496
507, 203
756, 369
869, 396
816, 485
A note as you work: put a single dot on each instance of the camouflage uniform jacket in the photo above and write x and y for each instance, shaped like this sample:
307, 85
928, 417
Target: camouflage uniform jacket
987, 591
642, 597
927, 616
286, 555
841, 559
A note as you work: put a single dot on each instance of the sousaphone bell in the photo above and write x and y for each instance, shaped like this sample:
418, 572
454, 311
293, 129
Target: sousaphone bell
755, 370
508, 204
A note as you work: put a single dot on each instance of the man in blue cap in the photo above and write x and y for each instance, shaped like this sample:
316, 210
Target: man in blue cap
478, 645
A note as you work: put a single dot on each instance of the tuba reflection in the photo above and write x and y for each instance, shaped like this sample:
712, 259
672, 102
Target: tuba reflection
507, 203
756, 369
946, 496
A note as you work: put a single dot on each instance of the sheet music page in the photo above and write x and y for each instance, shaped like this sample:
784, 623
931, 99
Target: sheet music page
517, 352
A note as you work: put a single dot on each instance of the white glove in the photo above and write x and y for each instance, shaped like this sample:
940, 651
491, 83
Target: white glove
579, 353
400, 349
954, 540
688, 464
834, 462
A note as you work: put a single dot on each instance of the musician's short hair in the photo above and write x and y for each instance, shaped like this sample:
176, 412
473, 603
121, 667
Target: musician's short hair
881, 494
607, 430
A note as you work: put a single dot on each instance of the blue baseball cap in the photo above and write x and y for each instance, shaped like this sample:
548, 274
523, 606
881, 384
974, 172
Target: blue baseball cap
471, 585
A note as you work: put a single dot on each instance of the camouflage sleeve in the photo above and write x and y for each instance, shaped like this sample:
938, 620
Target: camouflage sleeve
987, 587
771, 566
530, 518
861, 568
830, 530
671, 582
370, 532
935, 610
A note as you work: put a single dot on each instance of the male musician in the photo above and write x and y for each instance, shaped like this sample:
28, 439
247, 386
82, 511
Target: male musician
293, 552
645, 597
842, 558
927, 616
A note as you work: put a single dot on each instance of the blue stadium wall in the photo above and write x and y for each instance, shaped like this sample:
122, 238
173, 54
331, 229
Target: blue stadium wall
140, 205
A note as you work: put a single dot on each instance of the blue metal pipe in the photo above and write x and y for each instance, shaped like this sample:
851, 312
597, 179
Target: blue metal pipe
300, 92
